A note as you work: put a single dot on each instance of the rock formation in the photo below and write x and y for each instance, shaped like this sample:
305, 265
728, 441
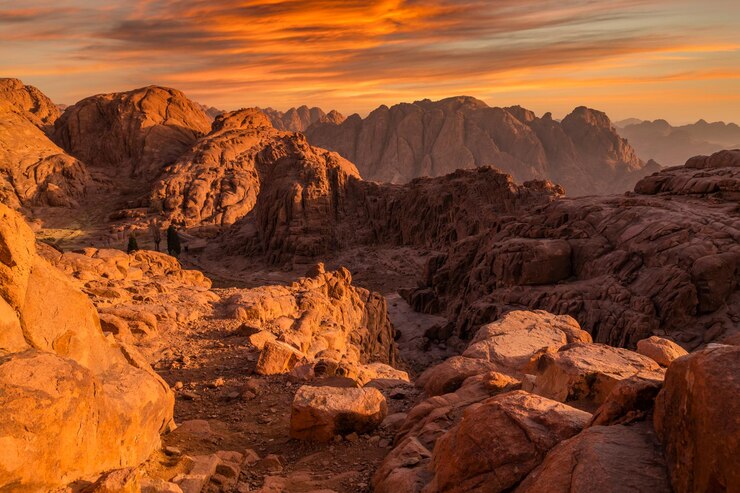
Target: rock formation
245, 164
33, 170
299, 119
495, 431
697, 418
665, 259
134, 133
68, 393
337, 327
583, 152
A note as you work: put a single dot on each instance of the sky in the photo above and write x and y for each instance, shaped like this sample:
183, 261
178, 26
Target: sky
672, 59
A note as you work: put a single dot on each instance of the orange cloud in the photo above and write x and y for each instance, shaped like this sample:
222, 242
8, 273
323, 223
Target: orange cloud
355, 55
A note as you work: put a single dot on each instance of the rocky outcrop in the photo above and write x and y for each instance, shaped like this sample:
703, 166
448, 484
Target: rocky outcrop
663, 265
135, 133
299, 119
607, 459
583, 152
139, 296
33, 170
246, 165
30, 102
697, 417
321, 413
497, 432
660, 350
334, 325
67, 392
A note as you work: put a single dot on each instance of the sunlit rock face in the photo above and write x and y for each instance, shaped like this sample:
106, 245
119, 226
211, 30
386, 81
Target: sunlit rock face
75, 403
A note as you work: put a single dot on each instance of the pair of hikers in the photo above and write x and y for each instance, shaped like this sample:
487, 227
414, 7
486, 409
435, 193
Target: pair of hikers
173, 239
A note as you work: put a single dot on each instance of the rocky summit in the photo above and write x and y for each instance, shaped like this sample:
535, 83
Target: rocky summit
197, 300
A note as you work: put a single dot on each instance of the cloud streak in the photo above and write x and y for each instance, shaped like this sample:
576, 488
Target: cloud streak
355, 54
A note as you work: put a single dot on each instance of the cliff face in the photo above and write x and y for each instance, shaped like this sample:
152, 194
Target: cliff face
583, 152
133, 133
33, 170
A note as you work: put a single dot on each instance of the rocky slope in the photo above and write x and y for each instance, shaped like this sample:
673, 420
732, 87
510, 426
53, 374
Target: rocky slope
241, 165
672, 145
299, 119
68, 393
529, 410
33, 170
583, 152
134, 133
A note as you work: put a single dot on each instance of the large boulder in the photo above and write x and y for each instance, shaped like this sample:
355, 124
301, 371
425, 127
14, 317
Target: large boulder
607, 459
588, 372
697, 416
67, 393
499, 441
320, 413
662, 351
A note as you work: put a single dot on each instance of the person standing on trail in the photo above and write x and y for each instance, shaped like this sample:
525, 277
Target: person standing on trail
156, 233
173, 241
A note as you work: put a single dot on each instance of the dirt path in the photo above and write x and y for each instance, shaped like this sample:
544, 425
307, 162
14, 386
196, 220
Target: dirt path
221, 405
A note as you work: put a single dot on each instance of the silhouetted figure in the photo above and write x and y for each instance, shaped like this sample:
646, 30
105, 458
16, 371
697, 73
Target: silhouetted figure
132, 244
156, 233
173, 241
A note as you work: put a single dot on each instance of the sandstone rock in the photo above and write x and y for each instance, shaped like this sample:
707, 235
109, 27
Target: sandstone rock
118, 481
337, 326
403, 468
662, 351
155, 485
606, 459
654, 260
67, 392
519, 336
277, 357
583, 152
697, 416
631, 399
449, 375
320, 413
33, 170
259, 339
588, 372
499, 441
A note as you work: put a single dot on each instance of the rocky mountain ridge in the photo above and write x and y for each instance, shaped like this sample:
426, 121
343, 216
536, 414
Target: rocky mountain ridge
583, 152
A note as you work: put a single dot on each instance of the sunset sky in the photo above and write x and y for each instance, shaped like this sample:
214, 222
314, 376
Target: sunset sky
672, 59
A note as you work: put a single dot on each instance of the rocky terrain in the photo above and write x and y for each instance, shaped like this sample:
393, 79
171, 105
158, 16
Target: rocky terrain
468, 332
583, 152
673, 145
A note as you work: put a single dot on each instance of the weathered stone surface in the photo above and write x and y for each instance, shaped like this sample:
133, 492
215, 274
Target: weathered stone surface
606, 459
588, 372
583, 152
697, 417
245, 164
320, 413
66, 391
134, 133
662, 351
277, 357
631, 399
499, 441
325, 317
640, 264
33, 170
